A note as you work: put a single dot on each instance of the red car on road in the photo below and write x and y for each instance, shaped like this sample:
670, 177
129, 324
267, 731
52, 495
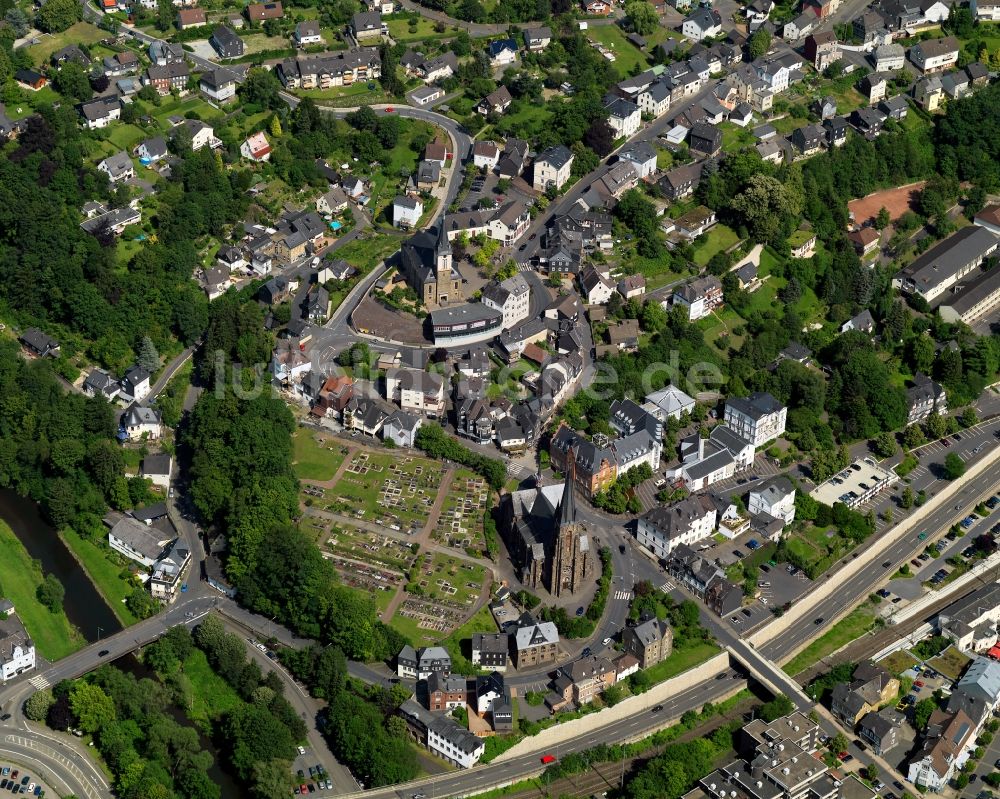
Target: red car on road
546, 759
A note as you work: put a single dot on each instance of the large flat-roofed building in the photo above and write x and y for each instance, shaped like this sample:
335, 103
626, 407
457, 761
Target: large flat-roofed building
945, 264
973, 300
465, 324
854, 485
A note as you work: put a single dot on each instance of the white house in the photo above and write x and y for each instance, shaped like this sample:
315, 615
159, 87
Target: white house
406, 212
420, 392
157, 468
669, 402
502, 52
642, 156
139, 421
256, 148
758, 418
453, 742
485, 154
307, 32
136, 383
624, 118
702, 23
117, 167
401, 428
168, 571
511, 297
775, 497
140, 542
219, 84
101, 113
17, 652
688, 521
552, 168
595, 288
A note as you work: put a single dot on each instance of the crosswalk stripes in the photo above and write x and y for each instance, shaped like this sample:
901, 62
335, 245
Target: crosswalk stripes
39, 682
667, 587
623, 594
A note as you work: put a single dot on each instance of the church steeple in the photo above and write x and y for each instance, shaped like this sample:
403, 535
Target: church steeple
567, 507
442, 256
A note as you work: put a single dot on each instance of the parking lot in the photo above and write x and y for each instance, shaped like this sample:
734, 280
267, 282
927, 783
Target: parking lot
15, 780
312, 777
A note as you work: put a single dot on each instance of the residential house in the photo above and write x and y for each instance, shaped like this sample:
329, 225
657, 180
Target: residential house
871, 687
935, 55
642, 156
880, 730
681, 181
365, 415
989, 218
623, 117
701, 296
510, 222
502, 52
537, 38
873, 87
256, 148
446, 691
436, 153
689, 225
420, 664
162, 53
802, 25
928, 93
705, 140
406, 212
165, 581
485, 154
428, 175
632, 286
135, 383
535, 644
117, 167
99, 383
822, 49
171, 77
759, 418
702, 23
191, 18
262, 12
595, 288
307, 33
490, 651
401, 428
597, 7
145, 544
226, 43
219, 84
511, 297
496, 102
888, 57
669, 402
825, 108
31, 80
101, 112
511, 163
809, 139
420, 392
868, 122
332, 202
157, 469
774, 498
895, 107
366, 26
328, 70
583, 679
655, 99
17, 650
955, 84
494, 698
687, 521
986, 10
865, 240
947, 740
552, 168
650, 641
140, 422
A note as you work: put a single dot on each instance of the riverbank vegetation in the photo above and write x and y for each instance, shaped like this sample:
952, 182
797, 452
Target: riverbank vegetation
20, 581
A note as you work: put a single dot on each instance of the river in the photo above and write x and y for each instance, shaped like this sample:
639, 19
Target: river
87, 611
85, 607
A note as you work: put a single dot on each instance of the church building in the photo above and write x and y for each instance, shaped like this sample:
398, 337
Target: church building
425, 260
549, 548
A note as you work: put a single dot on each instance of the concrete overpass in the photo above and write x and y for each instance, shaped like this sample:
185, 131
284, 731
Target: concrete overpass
769, 674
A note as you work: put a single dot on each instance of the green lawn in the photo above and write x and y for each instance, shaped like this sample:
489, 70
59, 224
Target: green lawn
681, 660
735, 138
20, 577
366, 253
717, 239
627, 55
402, 30
951, 663
212, 696
81, 33
125, 137
355, 94
313, 461
103, 573
852, 626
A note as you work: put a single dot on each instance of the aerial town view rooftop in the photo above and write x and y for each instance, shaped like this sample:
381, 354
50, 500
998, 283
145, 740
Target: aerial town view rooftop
488, 398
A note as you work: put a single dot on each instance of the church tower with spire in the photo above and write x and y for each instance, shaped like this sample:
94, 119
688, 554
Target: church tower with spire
570, 560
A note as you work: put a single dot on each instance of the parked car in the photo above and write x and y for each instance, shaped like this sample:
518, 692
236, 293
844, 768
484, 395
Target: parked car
546, 759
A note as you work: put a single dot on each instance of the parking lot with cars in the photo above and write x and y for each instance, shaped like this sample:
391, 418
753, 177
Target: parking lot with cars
18, 781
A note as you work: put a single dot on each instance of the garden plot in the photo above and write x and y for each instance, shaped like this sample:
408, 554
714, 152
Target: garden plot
460, 524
